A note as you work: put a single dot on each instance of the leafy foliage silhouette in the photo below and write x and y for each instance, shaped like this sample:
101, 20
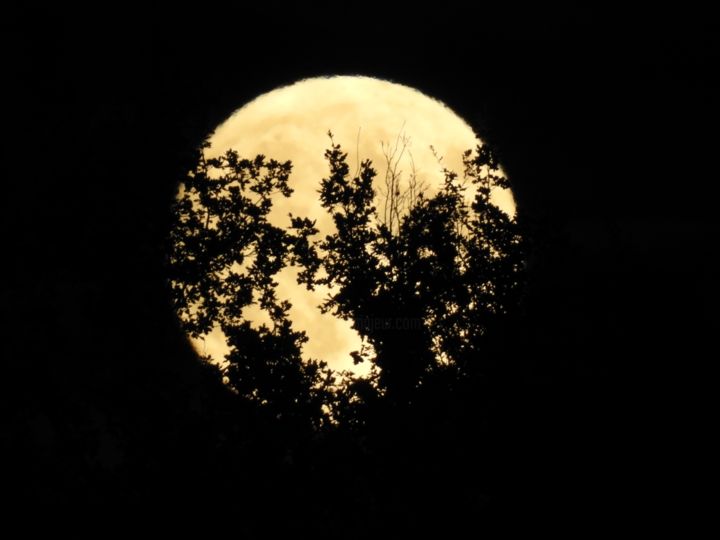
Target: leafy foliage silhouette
422, 289
224, 254
434, 286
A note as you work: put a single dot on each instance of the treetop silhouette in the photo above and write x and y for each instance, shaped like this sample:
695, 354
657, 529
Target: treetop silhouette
421, 281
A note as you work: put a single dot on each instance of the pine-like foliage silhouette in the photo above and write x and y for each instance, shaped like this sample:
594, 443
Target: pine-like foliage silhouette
422, 290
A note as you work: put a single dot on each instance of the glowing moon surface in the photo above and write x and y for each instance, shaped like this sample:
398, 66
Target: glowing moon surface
367, 117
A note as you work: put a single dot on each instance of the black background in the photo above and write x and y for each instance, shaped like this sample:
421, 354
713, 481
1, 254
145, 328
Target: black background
607, 127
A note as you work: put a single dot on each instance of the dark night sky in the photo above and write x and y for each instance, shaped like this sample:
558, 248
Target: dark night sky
607, 129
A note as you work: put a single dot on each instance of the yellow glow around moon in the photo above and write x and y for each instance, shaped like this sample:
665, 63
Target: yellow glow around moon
291, 123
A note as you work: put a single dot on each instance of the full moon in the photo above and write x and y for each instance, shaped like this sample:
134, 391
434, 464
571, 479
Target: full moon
371, 119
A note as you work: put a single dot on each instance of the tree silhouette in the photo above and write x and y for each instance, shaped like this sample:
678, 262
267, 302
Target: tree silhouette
422, 281
224, 254
422, 295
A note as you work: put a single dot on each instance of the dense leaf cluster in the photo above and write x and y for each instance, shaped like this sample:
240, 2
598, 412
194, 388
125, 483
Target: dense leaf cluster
422, 295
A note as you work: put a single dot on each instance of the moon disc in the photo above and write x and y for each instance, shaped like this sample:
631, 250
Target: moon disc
369, 118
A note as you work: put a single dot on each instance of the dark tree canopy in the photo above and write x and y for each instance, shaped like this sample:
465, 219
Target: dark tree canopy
422, 292
224, 254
